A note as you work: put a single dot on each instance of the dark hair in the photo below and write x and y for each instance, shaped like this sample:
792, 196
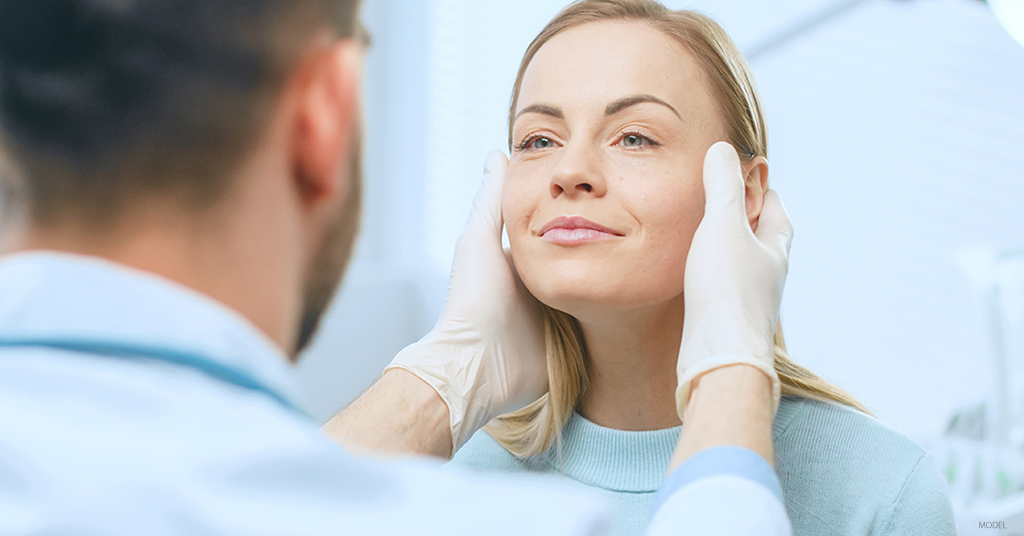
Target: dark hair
102, 101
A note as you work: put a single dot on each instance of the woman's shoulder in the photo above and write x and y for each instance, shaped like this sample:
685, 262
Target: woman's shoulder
812, 427
845, 468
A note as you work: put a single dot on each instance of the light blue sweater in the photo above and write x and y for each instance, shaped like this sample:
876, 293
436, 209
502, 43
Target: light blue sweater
842, 472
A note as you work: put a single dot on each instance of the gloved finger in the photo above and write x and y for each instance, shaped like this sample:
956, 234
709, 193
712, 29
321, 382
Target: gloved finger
724, 190
774, 229
485, 217
515, 273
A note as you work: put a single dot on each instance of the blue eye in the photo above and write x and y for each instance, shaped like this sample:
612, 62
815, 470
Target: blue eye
536, 143
635, 140
540, 142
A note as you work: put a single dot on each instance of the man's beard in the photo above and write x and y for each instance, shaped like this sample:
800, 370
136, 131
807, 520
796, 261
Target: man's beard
329, 262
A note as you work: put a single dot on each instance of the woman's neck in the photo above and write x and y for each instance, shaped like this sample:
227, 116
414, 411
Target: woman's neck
631, 364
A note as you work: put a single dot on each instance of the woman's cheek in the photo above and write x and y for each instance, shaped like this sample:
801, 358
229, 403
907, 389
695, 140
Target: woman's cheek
670, 220
514, 203
518, 201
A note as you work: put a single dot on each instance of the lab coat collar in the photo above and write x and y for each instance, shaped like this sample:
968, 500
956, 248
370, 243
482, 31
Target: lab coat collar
87, 302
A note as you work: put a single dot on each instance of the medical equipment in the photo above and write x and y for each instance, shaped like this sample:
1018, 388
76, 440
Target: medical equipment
982, 451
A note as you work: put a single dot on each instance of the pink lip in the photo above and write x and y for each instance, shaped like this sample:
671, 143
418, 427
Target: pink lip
575, 230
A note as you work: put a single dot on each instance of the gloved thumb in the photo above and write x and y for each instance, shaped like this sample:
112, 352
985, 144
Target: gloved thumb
723, 182
774, 229
485, 217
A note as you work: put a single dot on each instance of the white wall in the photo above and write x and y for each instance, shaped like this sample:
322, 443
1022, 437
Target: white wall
896, 138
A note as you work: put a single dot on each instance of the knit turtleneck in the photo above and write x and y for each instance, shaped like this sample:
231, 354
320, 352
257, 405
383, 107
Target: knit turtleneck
615, 460
842, 472
620, 460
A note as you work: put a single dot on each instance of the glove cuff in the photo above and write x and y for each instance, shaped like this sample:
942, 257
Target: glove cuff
439, 368
707, 365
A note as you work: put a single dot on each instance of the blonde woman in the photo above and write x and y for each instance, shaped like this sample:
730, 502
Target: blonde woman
613, 110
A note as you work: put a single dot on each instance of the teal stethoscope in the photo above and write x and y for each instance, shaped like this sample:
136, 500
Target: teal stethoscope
139, 352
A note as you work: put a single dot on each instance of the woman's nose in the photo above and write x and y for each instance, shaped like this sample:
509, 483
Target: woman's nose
577, 174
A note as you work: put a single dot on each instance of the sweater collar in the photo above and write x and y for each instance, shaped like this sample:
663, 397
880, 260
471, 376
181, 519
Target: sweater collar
628, 461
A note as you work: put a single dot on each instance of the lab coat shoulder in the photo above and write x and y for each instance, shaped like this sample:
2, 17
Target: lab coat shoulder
509, 504
106, 446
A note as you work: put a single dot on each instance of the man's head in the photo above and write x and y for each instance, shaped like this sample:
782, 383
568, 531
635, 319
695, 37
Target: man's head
239, 118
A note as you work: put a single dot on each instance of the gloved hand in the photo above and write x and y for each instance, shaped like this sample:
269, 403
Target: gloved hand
486, 355
734, 279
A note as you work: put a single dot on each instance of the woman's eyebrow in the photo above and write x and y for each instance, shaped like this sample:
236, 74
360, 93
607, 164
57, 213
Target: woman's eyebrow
626, 102
545, 109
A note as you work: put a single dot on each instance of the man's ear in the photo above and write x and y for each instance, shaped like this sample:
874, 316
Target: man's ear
327, 92
755, 182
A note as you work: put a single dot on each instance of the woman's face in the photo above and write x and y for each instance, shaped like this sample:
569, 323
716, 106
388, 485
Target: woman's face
611, 127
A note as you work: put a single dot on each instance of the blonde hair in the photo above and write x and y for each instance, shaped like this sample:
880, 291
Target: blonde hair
532, 430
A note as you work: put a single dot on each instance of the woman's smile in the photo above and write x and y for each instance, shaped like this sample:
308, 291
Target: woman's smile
575, 230
604, 181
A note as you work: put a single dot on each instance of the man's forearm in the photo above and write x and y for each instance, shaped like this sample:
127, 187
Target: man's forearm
400, 414
728, 406
714, 487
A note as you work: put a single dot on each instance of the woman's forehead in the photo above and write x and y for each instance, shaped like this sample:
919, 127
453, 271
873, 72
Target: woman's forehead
587, 67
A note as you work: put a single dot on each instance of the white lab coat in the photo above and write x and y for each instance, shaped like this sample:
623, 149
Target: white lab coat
132, 405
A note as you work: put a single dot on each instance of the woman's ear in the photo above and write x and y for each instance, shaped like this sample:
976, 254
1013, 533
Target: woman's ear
755, 182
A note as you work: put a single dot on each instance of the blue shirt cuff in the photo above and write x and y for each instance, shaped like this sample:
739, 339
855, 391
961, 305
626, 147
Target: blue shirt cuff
720, 461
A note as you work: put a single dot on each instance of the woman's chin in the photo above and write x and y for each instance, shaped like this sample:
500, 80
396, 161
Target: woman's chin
586, 290
589, 301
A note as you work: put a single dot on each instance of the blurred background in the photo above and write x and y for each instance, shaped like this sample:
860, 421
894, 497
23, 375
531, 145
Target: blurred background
896, 139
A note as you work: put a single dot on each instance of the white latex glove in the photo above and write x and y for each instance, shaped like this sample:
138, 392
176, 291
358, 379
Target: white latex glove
734, 279
486, 355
